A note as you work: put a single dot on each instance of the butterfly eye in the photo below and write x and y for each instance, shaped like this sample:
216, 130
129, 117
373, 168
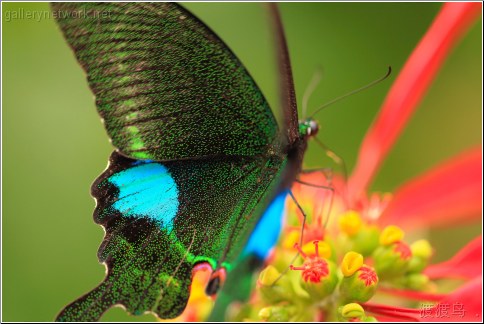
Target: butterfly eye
216, 281
313, 127
308, 127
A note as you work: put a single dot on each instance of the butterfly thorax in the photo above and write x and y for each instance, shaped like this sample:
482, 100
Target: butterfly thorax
307, 128
295, 151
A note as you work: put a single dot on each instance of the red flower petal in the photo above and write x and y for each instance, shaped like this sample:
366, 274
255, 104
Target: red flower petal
467, 263
463, 305
412, 294
392, 313
407, 91
451, 193
386, 319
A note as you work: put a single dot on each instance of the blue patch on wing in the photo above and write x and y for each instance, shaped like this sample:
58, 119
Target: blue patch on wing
142, 162
147, 190
267, 230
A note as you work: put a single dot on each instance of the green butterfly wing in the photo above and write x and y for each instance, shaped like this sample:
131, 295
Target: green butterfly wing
166, 86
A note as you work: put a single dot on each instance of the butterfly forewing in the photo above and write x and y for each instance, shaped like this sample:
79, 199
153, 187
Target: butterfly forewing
166, 86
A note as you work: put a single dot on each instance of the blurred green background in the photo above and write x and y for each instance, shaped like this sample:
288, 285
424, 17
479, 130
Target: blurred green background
54, 145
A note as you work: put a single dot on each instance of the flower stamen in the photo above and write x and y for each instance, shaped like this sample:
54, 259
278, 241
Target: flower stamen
316, 248
314, 267
403, 249
301, 252
368, 275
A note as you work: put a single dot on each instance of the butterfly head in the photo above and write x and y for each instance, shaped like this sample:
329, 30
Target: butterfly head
308, 127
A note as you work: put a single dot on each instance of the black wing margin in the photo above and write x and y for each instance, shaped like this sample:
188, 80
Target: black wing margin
286, 87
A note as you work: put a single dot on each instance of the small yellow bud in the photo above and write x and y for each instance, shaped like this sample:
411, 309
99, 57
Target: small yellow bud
352, 261
290, 239
324, 250
265, 313
417, 281
366, 240
421, 248
350, 222
352, 310
391, 234
360, 287
320, 279
392, 261
274, 314
268, 276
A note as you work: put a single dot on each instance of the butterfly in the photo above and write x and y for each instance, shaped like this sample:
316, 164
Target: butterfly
201, 168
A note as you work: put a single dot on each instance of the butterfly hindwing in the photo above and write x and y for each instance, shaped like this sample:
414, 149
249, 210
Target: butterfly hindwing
162, 218
166, 86
146, 271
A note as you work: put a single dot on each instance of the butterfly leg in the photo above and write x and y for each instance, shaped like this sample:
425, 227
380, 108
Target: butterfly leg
300, 237
333, 156
304, 219
328, 172
304, 216
331, 199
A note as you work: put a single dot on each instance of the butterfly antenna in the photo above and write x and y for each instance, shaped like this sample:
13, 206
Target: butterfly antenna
369, 85
317, 75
